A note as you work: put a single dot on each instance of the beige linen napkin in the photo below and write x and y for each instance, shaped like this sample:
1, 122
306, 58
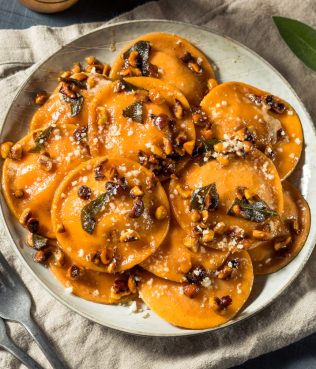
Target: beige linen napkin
85, 345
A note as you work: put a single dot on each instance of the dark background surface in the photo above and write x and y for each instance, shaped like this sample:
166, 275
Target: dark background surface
300, 355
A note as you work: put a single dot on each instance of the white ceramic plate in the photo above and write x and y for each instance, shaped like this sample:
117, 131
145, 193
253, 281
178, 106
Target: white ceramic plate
234, 62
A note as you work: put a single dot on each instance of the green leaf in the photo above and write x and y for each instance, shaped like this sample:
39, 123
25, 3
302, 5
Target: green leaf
135, 112
300, 38
205, 198
256, 211
75, 103
41, 139
91, 210
143, 49
204, 149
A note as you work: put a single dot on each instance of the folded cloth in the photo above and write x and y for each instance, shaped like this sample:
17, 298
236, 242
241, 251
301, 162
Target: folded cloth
85, 345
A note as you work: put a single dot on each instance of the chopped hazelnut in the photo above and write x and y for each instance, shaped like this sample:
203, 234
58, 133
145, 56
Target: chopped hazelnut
25, 215
189, 146
76, 68
191, 243
220, 228
16, 152
208, 236
178, 110
161, 212
133, 58
195, 216
41, 97
137, 209
91, 60
191, 290
184, 191
91, 82
18, 194
5, 149
261, 235
157, 151
104, 256
84, 192
136, 191
222, 160
45, 161
220, 304
167, 146
103, 116
131, 283
74, 272
129, 235
40, 256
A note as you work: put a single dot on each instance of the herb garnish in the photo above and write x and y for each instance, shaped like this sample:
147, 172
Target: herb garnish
205, 198
135, 112
204, 149
143, 49
255, 210
74, 102
91, 210
41, 139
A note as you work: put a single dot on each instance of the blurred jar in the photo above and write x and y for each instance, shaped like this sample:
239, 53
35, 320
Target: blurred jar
48, 6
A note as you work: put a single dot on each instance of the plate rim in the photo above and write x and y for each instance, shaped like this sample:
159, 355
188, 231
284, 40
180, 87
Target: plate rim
184, 333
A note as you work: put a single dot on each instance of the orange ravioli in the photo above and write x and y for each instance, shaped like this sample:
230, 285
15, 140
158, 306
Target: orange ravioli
266, 259
255, 172
92, 286
173, 259
125, 231
168, 300
169, 58
57, 110
273, 124
29, 183
151, 128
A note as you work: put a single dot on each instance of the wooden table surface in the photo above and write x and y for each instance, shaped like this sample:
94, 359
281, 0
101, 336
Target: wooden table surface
300, 355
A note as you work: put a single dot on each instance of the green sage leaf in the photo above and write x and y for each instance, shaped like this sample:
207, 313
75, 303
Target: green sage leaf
300, 38
135, 112
256, 211
143, 49
41, 139
75, 103
91, 210
205, 198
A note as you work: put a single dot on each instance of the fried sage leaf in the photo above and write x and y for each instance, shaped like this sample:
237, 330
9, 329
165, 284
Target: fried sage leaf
135, 112
256, 211
74, 102
204, 149
76, 82
41, 139
143, 49
38, 241
91, 210
205, 198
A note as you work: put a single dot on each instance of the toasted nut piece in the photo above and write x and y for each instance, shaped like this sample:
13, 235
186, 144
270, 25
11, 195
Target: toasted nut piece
120, 288
136, 191
84, 192
106, 69
76, 68
184, 192
16, 152
45, 162
91, 60
59, 257
189, 146
236, 209
167, 146
208, 236
161, 212
219, 147
261, 235
247, 146
104, 256
133, 58
194, 67
91, 82
204, 215
220, 228
226, 272
191, 290
191, 243
220, 304
294, 224
32, 225
207, 133
131, 283
156, 97
211, 83
282, 244
112, 266
25, 216
41, 97
178, 110
5, 149
60, 228
157, 151
131, 71
75, 272
103, 116
222, 160
249, 194
137, 209
65, 74
18, 194
94, 68
129, 235
195, 216
40, 256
